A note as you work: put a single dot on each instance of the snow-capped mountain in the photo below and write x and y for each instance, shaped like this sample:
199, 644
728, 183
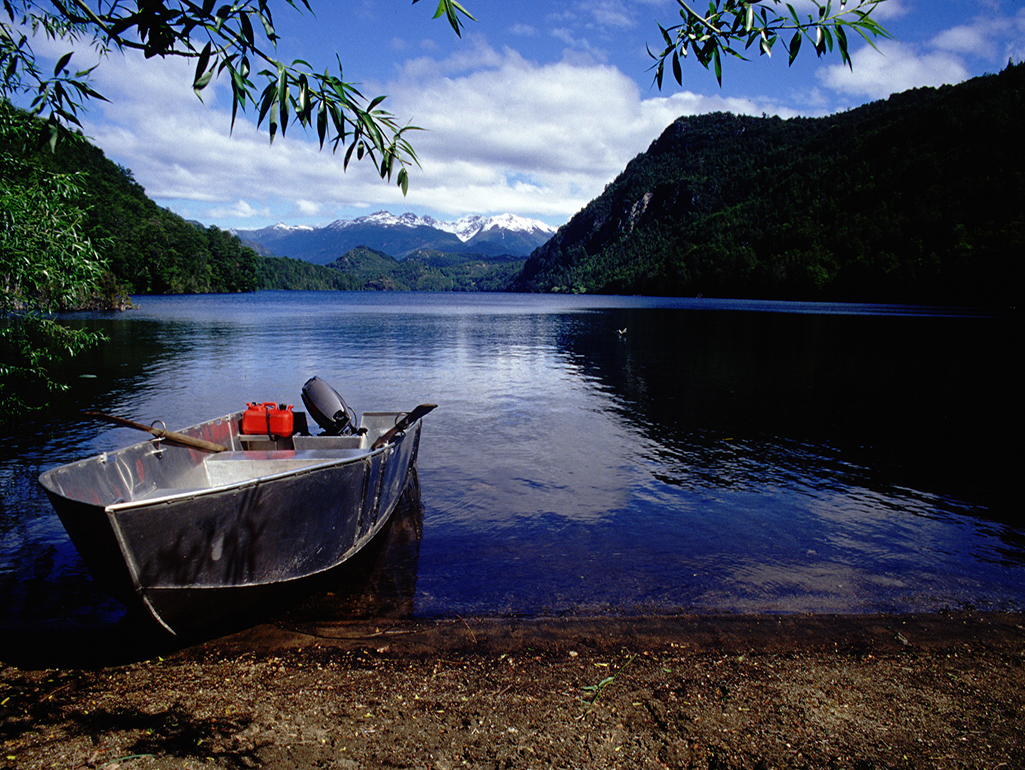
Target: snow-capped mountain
468, 228
401, 235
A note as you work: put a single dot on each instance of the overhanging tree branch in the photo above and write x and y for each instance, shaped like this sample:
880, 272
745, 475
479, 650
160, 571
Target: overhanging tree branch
224, 40
728, 24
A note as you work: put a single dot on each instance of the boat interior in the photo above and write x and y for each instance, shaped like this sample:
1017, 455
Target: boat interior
160, 468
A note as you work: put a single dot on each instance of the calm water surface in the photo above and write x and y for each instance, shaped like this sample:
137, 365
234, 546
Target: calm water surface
718, 456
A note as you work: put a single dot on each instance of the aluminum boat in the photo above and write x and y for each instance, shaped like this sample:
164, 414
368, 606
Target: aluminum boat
194, 535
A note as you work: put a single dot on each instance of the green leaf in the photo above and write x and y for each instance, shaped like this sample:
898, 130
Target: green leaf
268, 28
303, 102
62, 63
795, 45
665, 36
202, 82
282, 98
199, 82
247, 29
322, 123
841, 44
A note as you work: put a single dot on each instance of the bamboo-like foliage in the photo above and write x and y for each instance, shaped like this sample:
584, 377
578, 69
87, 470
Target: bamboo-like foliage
47, 263
728, 25
236, 41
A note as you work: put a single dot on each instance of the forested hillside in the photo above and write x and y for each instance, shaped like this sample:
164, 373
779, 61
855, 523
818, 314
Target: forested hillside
426, 270
914, 199
299, 275
150, 249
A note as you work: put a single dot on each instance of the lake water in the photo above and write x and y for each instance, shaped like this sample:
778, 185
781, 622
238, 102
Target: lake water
718, 456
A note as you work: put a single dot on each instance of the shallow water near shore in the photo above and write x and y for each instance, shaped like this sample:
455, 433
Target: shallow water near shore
591, 455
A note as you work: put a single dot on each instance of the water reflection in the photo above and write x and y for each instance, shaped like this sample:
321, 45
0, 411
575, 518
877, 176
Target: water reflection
379, 582
922, 400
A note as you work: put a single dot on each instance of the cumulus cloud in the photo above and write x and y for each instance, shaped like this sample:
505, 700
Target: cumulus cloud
987, 37
992, 38
568, 128
608, 13
241, 209
894, 67
505, 134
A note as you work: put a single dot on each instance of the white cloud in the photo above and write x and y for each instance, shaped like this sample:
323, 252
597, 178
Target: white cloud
241, 209
608, 13
523, 30
894, 67
505, 134
992, 38
986, 37
888, 11
569, 129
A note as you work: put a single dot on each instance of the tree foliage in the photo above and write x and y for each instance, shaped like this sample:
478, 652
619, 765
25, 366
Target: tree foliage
234, 41
299, 275
47, 263
728, 25
367, 269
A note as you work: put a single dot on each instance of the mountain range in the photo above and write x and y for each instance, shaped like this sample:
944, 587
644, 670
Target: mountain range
399, 236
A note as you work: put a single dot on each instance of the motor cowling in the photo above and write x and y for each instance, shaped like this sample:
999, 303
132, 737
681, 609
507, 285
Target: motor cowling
328, 408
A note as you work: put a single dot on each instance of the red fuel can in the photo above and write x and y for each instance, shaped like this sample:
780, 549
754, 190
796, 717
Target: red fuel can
256, 418
280, 420
267, 418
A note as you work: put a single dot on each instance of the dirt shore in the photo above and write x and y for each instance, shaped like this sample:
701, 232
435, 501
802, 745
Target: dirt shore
922, 691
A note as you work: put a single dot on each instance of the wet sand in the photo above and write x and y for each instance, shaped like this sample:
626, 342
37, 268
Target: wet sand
936, 691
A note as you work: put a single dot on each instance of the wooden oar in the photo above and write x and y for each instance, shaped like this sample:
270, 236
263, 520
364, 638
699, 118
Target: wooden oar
177, 438
404, 423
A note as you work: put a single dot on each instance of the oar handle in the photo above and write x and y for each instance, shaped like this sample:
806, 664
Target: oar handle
170, 435
403, 422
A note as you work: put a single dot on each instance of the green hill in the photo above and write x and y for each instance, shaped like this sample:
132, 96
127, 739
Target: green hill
913, 199
427, 270
299, 275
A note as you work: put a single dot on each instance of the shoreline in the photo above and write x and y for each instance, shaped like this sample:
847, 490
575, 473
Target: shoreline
702, 691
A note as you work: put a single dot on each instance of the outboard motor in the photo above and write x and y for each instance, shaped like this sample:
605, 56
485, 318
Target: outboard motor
328, 408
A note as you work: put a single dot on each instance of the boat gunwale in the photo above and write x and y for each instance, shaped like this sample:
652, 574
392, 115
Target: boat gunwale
188, 493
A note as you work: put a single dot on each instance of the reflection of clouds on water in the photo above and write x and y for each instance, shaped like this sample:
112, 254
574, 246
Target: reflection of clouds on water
713, 458
528, 453
795, 586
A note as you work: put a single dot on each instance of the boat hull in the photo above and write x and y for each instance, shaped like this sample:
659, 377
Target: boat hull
192, 537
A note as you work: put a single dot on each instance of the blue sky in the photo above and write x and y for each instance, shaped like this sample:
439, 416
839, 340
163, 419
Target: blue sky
533, 111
